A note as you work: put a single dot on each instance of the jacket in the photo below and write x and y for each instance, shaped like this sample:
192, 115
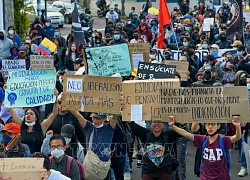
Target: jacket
48, 32
5, 46
17, 40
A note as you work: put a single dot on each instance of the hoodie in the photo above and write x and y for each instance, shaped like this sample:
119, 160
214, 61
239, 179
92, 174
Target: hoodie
56, 175
5, 46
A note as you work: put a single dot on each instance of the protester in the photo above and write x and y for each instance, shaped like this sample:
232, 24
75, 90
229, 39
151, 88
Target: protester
5, 44
14, 37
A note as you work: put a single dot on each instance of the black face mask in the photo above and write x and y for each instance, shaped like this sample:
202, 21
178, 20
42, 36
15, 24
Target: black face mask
207, 75
178, 30
1, 37
136, 36
243, 82
212, 135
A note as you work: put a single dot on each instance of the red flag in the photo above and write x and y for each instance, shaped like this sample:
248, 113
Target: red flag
164, 19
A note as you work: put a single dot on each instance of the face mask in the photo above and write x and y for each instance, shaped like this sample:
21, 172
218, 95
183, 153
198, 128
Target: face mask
167, 57
239, 53
56, 34
116, 36
204, 46
152, 56
1, 37
6, 139
57, 153
28, 41
47, 24
243, 82
93, 35
185, 44
11, 31
99, 126
30, 124
14, 53
248, 87
136, 36
187, 28
215, 53
129, 22
178, 31
68, 140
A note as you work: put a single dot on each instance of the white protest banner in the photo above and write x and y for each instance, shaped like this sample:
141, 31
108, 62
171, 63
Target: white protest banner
92, 93
12, 65
21, 168
108, 60
41, 62
205, 104
208, 22
142, 98
30, 88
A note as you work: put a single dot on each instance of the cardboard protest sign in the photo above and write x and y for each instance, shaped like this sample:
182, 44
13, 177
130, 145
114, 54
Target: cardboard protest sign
139, 50
41, 62
108, 60
205, 104
12, 65
92, 93
30, 88
21, 168
142, 98
181, 68
155, 71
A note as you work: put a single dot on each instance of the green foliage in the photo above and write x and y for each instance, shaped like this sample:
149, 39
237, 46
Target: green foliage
21, 20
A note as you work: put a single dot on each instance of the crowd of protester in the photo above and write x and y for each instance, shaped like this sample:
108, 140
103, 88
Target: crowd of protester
64, 138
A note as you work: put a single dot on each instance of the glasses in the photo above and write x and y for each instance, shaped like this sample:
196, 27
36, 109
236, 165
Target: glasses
56, 147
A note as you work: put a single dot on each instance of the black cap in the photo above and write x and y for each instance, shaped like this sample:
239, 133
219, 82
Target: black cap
68, 130
78, 61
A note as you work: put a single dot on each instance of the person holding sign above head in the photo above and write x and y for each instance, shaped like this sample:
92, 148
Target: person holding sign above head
32, 130
215, 163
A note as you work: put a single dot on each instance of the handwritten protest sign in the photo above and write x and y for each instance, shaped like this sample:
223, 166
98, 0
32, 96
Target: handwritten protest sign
208, 22
41, 62
92, 93
142, 98
108, 60
139, 48
21, 168
30, 88
181, 68
12, 65
155, 71
205, 104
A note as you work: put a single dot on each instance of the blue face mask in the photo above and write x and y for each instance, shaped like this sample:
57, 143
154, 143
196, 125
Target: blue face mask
239, 53
116, 36
187, 28
56, 34
215, 53
6, 139
185, 44
204, 46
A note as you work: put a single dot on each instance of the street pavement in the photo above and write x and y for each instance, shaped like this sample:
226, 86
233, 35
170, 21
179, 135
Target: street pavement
136, 174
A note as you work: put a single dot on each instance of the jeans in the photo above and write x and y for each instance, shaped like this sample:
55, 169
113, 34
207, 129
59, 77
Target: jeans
127, 167
243, 162
181, 147
247, 154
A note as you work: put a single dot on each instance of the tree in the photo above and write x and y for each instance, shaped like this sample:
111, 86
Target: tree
123, 7
21, 20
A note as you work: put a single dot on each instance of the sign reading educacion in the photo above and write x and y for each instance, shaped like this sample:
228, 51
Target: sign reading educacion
108, 60
92, 93
205, 104
30, 88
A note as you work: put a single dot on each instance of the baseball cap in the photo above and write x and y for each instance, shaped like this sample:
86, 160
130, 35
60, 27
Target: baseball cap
1, 95
11, 128
5, 114
98, 115
68, 130
236, 43
215, 46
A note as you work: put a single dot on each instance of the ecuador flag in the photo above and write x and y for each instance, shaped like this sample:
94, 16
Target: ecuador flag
46, 47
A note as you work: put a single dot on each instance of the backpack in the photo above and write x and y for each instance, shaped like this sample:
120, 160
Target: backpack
68, 164
225, 154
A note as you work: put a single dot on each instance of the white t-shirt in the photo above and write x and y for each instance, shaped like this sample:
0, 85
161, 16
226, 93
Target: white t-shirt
56, 175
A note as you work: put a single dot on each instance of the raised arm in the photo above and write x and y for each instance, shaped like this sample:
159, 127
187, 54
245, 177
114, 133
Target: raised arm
179, 130
80, 118
195, 127
237, 135
15, 116
112, 121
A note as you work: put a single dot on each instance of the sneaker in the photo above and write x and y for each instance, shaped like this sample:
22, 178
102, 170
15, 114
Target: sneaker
134, 154
139, 163
127, 176
243, 172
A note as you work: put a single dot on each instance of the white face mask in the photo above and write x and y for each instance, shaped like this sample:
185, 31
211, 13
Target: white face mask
129, 22
47, 24
99, 126
57, 153
68, 140
11, 31
152, 56
93, 35
28, 41
30, 124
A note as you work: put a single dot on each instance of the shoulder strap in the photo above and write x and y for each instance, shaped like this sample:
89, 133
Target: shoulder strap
91, 138
225, 154
68, 165
202, 151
